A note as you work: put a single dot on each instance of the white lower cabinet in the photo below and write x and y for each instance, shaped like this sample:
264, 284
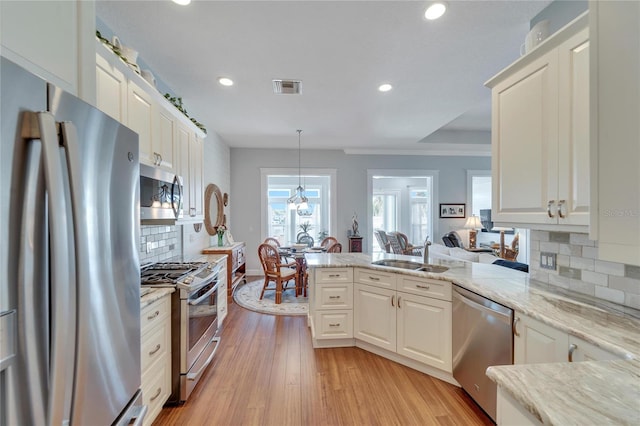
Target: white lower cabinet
415, 326
535, 342
331, 306
155, 356
424, 330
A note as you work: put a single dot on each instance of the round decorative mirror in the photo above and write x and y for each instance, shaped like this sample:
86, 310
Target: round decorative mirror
213, 209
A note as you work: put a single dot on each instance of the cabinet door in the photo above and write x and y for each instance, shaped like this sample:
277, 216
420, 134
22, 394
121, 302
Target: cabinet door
424, 330
524, 143
182, 154
111, 90
573, 143
140, 120
45, 37
196, 177
375, 316
164, 143
535, 342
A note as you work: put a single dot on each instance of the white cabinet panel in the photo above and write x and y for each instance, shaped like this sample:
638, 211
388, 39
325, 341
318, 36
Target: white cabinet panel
140, 120
111, 90
535, 342
424, 330
163, 143
375, 315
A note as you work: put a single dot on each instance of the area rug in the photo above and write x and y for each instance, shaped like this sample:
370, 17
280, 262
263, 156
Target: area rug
248, 296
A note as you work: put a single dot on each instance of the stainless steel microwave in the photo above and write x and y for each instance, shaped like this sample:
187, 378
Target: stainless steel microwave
160, 195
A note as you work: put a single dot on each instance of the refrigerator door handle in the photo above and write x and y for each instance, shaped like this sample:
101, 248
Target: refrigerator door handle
62, 275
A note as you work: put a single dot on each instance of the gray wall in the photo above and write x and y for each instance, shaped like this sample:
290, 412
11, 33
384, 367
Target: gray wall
351, 185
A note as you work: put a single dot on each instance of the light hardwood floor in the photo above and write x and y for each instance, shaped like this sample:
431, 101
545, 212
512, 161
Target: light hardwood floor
267, 373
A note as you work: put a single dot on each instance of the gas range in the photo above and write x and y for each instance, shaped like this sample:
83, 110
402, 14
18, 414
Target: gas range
184, 275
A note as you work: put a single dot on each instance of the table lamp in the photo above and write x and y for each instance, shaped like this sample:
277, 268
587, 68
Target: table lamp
473, 224
501, 229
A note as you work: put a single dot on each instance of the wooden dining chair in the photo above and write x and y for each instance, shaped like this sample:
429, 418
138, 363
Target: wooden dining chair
511, 253
306, 239
273, 241
335, 248
274, 271
328, 242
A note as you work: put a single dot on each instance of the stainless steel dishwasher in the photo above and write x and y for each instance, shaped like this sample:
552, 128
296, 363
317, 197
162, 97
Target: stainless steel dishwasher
482, 337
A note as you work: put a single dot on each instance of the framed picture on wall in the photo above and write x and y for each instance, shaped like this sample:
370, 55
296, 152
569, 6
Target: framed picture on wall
452, 211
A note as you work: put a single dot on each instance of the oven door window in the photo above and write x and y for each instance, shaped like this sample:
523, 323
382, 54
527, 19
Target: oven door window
203, 311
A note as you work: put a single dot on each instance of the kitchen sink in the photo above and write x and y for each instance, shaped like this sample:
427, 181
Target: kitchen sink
414, 266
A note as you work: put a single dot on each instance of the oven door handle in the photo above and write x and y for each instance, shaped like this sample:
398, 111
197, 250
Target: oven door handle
194, 376
204, 296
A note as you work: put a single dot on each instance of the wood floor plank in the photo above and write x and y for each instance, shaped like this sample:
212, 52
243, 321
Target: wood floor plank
267, 373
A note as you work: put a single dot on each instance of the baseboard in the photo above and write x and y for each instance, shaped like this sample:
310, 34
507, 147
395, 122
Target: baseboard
407, 362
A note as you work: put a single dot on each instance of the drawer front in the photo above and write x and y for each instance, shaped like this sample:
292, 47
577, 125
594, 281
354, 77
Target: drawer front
156, 388
334, 324
334, 275
334, 296
437, 289
376, 278
155, 313
155, 345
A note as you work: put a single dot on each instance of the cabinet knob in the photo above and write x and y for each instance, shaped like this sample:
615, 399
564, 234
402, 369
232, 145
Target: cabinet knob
392, 301
399, 301
514, 329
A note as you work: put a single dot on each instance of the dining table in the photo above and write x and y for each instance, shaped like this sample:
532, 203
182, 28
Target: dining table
301, 265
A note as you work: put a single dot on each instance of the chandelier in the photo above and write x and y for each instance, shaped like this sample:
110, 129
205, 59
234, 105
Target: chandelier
298, 201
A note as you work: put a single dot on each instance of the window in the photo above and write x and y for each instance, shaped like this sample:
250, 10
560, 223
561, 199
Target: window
283, 222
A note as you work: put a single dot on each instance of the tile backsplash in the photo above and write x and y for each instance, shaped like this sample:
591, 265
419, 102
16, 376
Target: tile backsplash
159, 243
578, 268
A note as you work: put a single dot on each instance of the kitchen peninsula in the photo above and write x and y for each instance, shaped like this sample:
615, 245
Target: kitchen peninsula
611, 328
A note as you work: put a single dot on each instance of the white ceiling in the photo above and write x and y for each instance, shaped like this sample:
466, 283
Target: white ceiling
342, 51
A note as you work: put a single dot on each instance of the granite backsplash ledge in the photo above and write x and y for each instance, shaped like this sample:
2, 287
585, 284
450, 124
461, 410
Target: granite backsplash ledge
578, 269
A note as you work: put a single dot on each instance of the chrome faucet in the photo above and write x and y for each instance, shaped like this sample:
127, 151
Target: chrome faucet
425, 250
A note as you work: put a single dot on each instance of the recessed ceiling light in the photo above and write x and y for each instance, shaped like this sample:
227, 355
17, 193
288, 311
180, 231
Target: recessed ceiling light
385, 87
435, 11
225, 81
182, 2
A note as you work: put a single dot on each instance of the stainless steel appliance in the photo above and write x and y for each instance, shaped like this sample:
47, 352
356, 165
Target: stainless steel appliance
160, 195
69, 290
194, 319
482, 336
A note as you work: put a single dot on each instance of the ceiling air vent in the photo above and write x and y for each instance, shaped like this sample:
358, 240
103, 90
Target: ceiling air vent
287, 87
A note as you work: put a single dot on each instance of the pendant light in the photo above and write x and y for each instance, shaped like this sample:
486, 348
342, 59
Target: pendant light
298, 200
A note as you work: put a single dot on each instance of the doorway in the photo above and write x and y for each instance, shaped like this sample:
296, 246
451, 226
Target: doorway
401, 200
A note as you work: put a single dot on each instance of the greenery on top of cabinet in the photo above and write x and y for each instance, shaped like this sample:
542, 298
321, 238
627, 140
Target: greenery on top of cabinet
177, 102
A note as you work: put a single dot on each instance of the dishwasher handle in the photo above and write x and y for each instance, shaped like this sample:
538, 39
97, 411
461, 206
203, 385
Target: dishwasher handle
496, 310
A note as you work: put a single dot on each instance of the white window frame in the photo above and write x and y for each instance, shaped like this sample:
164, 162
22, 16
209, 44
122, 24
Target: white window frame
290, 171
470, 175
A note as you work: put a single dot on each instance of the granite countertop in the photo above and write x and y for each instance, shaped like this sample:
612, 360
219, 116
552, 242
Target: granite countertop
598, 392
153, 295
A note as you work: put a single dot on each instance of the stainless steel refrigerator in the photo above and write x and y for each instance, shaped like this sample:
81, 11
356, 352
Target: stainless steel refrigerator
70, 277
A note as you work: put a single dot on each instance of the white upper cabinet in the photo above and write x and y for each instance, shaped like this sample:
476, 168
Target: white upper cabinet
540, 134
53, 39
615, 132
190, 152
163, 146
111, 90
163, 130
140, 120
